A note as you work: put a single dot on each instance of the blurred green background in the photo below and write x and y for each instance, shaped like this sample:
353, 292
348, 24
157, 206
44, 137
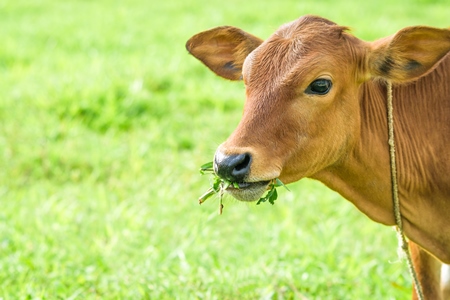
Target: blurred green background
104, 121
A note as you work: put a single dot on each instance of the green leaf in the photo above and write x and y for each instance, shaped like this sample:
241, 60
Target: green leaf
262, 199
208, 165
207, 168
273, 196
216, 184
278, 183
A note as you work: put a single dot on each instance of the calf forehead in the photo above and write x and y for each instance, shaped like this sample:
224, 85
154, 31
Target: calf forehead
293, 50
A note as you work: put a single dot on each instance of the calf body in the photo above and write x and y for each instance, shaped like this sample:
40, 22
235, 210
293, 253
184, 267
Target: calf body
316, 107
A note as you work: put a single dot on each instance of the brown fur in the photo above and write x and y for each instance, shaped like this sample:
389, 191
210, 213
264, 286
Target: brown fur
341, 138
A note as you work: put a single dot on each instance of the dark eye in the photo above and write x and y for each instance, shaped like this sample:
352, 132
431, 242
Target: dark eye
319, 87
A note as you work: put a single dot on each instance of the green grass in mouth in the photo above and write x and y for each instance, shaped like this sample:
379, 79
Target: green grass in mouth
219, 185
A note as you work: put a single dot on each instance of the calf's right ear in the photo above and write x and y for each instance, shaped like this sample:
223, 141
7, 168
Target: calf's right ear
223, 50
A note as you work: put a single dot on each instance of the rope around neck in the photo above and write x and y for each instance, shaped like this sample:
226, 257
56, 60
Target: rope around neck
403, 249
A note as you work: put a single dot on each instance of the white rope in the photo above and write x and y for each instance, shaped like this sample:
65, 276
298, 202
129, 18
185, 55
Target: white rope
402, 243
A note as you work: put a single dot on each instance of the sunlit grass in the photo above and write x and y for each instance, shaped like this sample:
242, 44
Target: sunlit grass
104, 121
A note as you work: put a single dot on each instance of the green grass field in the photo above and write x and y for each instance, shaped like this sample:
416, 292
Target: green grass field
104, 121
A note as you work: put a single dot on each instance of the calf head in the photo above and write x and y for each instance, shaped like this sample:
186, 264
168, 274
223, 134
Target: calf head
301, 113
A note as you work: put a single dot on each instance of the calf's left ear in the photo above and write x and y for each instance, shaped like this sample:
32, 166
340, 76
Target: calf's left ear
223, 49
409, 54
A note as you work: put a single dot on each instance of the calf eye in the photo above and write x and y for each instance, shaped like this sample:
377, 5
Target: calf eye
319, 87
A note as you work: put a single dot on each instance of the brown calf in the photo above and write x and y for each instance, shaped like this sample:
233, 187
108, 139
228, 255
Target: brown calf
316, 107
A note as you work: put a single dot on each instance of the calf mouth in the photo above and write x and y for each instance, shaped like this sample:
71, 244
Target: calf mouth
248, 191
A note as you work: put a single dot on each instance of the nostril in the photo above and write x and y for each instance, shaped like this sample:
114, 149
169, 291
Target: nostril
244, 164
242, 167
233, 167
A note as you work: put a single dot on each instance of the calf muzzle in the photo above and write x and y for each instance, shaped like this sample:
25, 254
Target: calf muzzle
234, 168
